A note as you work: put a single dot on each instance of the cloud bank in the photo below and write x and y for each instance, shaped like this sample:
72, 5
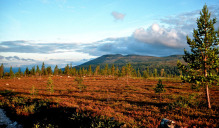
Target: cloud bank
166, 37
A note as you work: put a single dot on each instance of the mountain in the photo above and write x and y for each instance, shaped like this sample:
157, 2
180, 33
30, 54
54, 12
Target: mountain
168, 63
118, 59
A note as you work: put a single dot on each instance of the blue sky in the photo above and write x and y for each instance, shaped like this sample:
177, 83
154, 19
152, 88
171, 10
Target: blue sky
74, 31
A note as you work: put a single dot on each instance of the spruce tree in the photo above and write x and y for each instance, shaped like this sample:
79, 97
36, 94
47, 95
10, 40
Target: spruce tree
138, 74
159, 88
27, 72
56, 70
113, 70
67, 70
97, 70
90, 71
38, 70
11, 73
1, 70
106, 70
203, 61
19, 72
43, 69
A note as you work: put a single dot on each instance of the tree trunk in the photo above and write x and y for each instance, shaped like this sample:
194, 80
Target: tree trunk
208, 98
207, 91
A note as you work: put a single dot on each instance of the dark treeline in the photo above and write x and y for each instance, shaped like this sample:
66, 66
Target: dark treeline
135, 70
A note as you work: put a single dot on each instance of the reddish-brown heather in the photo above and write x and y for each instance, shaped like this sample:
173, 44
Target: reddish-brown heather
135, 104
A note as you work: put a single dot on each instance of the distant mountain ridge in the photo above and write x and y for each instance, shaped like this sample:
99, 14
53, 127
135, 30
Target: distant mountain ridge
132, 59
138, 62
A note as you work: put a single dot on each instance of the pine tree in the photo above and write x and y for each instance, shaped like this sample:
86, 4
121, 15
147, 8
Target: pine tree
138, 74
49, 70
117, 71
11, 73
56, 70
60, 71
33, 71
38, 70
155, 72
27, 72
123, 71
203, 61
97, 70
50, 85
113, 70
89, 71
19, 70
106, 70
159, 88
67, 70
162, 72
43, 69
1, 70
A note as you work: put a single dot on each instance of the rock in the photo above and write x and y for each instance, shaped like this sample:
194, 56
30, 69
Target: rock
166, 123
5, 121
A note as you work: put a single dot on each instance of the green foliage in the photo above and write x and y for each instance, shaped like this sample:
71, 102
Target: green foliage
86, 120
113, 70
49, 70
128, 70
80, 84
50, 85
193, 100
33, 71
38, 72
1, 71
203, 60
33, 91
97, 70
67, 70
138, 73
26, 72
90, 71
43, 69
160, 87
11, 73
56, 70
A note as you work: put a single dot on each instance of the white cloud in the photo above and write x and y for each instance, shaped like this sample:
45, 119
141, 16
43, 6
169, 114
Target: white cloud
160, 36
117, 15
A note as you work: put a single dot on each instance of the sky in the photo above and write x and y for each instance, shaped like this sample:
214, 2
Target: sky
74, 31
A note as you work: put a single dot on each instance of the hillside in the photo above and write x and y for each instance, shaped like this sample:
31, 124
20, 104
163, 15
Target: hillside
119, 59
168, 63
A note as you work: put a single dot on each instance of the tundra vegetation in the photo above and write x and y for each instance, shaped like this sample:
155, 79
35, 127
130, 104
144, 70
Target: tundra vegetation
114, 96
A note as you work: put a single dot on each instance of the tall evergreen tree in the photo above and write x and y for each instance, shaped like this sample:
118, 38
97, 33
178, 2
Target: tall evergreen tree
19, 72
56, 70
113, 70
97, 70
123, 71
203, 61
49, 70
106, 70
43, 69
67, 70
27, 72
33, 71
1, 71
11, 73
138, 73
155, 72
90, 70
38, 70
117, 71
